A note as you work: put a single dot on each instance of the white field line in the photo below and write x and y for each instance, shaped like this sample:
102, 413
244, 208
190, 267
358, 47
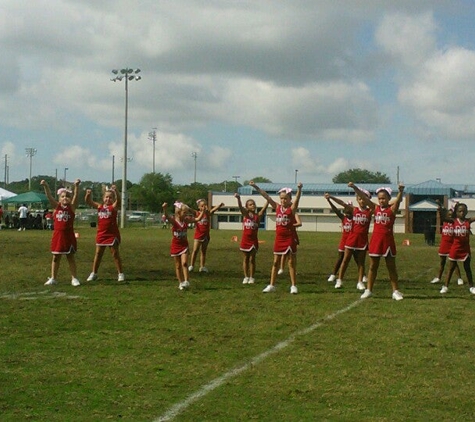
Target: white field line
179, 407
45, 294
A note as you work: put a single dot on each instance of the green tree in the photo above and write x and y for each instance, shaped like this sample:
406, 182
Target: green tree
358, 175
189, 194
258, 179
151, 192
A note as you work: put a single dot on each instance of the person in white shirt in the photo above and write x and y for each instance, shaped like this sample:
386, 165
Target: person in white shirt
23, 216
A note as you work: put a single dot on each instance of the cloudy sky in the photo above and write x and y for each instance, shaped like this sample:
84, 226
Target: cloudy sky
254, 88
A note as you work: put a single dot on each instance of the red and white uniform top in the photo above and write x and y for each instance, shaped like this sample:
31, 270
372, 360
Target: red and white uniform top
179, 244
358, 237
202, 227
63, 240
346, 227
250, 227
107, 229
460, 249
285, 238
446, 238
382, 241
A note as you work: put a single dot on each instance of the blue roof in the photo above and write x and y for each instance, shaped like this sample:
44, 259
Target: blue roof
429, 187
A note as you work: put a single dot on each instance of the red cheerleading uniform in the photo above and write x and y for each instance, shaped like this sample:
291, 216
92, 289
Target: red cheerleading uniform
346, 226
382, 241
107, 229
460, 249
202, 227
179, 244
285, 233
64, 240
446, 239
250, 227
358, 237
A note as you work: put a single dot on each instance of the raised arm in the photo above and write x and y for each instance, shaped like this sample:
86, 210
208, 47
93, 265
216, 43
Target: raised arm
241, 208
170, 217
397, 202
370, 204
216, 208
117, 203
263, 210
329, 199
272, 203
51, 199
295, 203
88, 199
74, 201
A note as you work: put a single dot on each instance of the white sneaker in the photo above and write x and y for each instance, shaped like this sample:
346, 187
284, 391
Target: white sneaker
203, 270
435, 280
75, 282
338, 284
397, 295
367, 293
245, 280
472, 290
50, 281
364, 279
19, 229
184, 285
269, 289
360, 286
92, 277
281, 271
190, 268
251, 280
293, 290
121, 277
460, 282
444, 289
332, 278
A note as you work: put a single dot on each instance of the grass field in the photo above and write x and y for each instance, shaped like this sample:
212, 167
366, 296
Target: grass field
223, 351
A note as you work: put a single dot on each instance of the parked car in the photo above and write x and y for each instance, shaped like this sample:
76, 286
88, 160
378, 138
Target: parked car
137, 216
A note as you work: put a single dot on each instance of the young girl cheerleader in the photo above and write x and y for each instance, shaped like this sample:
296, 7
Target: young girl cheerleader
64, 240
346, 217
285, 242
283, 258
108, 234
382, 240
179, 247
201, 237
249, 242
356, 242
446, 240
460, 249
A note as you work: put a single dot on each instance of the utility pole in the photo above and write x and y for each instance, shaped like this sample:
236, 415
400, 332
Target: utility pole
153, 137
30, 152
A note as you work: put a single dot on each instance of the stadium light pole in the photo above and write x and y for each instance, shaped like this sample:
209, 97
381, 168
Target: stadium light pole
195, 156
30, 152
64, 180
127, 75
296, 171
153, 137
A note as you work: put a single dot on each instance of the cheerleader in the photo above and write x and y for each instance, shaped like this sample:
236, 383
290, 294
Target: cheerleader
285, 242
382, 240
346, 217
108, 234
295, 225
179, 246
446, 240
202, 232
249, 242
356, 242
64, 240
460, 249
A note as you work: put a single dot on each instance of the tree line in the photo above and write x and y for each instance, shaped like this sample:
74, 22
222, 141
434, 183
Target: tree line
154, 189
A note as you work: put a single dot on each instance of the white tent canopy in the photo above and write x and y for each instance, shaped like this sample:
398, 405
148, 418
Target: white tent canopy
5, 194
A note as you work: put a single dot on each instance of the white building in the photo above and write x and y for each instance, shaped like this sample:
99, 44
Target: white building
418, 210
